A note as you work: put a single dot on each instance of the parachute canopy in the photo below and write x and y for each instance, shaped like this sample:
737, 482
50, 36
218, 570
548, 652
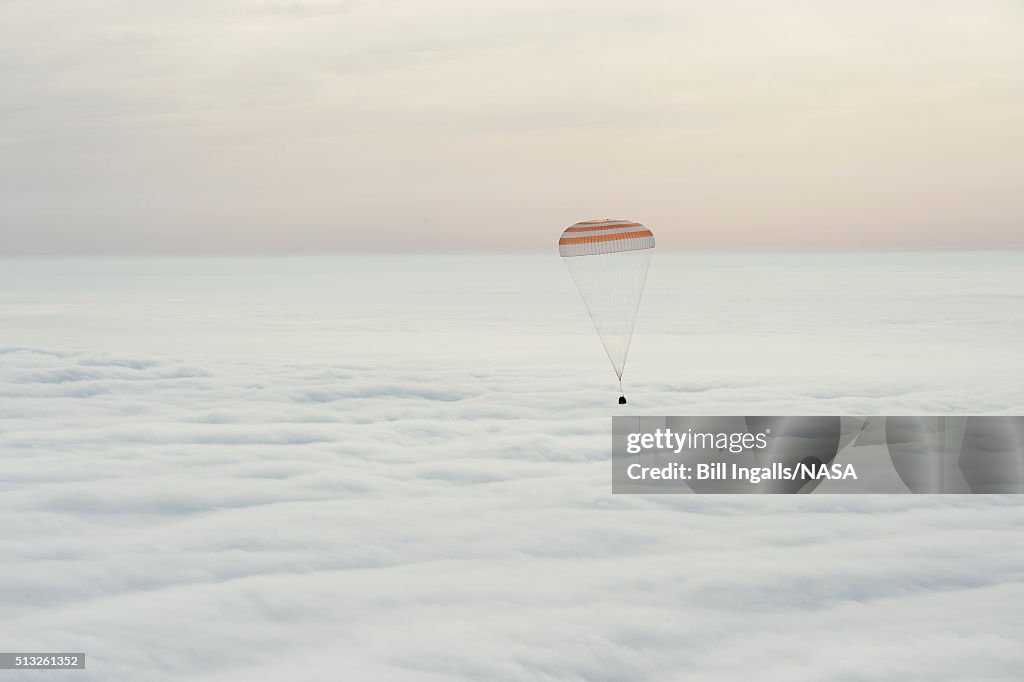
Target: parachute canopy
594, 237
608, 260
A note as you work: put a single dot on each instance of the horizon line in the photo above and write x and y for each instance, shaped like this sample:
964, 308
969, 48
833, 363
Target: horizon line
321, 253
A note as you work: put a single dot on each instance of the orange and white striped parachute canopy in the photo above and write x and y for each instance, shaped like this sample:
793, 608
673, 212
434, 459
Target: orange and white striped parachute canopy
592, 237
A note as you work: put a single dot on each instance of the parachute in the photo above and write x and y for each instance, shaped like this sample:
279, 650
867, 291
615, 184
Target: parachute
608, 260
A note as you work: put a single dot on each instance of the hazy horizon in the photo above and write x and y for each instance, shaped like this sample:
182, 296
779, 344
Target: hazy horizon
328, 254
252, 126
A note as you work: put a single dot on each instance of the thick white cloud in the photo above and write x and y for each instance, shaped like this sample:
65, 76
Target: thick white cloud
376, 469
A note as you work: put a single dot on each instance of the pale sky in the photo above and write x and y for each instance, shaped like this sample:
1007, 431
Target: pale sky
219, 126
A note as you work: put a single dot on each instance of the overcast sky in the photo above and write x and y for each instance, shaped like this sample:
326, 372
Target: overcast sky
261, 126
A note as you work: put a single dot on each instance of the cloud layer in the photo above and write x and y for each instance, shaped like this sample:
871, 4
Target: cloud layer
274, 493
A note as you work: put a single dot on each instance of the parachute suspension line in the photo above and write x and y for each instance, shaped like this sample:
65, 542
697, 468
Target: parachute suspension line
611, 285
